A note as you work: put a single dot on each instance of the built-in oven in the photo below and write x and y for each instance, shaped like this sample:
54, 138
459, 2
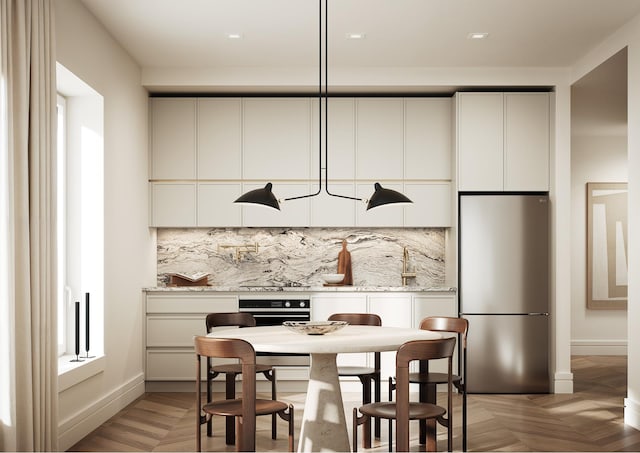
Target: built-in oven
273, 311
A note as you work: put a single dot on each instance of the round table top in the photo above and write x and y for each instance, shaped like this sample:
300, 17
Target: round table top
279, 339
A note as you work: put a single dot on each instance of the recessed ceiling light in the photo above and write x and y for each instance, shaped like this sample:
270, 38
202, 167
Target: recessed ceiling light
477, 35
355, 35
234, 35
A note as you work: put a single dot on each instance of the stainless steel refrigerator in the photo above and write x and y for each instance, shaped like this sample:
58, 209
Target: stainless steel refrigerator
504, 291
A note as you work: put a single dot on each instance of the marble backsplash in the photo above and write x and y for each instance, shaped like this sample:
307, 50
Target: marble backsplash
301, 255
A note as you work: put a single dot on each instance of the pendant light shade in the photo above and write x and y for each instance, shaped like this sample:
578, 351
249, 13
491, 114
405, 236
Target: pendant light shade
382, 196
263, 196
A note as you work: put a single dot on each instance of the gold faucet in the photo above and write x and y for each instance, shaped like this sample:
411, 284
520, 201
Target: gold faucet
240, 249
405, 267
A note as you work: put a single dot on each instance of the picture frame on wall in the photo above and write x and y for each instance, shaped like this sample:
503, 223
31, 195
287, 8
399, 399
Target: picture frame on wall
607, 245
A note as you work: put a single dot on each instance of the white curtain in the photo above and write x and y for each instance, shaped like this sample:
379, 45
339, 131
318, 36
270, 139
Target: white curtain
27, 236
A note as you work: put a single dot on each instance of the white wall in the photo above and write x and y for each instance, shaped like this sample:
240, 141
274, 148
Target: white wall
86, 49
593, 159
629, 36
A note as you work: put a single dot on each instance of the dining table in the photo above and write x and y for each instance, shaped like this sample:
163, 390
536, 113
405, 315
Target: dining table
324, 426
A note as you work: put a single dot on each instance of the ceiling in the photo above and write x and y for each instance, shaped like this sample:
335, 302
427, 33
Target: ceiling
191, 35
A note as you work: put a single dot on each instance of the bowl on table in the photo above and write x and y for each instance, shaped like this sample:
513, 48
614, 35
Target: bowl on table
314, 327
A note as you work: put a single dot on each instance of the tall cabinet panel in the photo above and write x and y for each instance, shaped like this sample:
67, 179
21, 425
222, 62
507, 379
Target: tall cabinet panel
173, 138
277, 138
219, 138
480, 141
526, 142
380, 138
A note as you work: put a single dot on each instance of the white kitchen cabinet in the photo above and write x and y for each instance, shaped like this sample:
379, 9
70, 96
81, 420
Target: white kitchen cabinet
173, 204
293, 213
171, 323
427, 147
323, 306
503, 141
276, 139
341, 138
216, 207
435, 305
173, 138
391, 215
431, 205
219, 138
480, 141
379, 138
527, 145
328, 211
395, 311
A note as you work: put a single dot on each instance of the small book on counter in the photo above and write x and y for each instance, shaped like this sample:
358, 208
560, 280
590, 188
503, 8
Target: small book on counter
183, 279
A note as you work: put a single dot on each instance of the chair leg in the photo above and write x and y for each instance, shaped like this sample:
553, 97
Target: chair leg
376, 397
366, 399
210, 378
271, 376
230, 393
392, 387
464, 419
431, 424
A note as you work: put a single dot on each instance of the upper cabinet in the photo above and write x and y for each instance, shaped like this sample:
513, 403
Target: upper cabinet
276, 139
205, 152
503, 141
173, 138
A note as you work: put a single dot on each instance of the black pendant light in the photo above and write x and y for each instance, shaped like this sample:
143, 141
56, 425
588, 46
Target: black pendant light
380, 197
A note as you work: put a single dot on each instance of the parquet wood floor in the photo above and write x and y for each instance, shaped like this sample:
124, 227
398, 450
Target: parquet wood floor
590, 419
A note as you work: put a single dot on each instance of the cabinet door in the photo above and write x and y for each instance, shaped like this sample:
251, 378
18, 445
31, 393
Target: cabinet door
216, 207
294, 213
324, 306
219, 138
480, 141
427, 129
380, 138
435, 305
526, 138
173, 138
431, 205
327, 211
277, 138
173, 204
395, 311
384, 216
341, 139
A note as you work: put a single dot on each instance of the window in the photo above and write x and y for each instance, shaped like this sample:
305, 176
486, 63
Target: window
80, 176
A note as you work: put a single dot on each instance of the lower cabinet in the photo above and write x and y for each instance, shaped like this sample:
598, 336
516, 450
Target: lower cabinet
171, 323
172, 320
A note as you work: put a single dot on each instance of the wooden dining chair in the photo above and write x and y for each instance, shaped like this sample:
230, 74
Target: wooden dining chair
245, 409
367, 375
429, 380
402, 410
232, 370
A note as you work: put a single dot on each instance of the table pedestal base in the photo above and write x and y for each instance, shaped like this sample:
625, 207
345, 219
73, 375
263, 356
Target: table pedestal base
324, 426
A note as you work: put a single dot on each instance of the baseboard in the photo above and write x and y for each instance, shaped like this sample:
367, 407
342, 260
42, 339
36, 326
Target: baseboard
563, 383
632, 413
598, 347
77, 426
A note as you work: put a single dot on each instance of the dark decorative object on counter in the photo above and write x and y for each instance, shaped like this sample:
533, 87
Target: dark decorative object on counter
380, 197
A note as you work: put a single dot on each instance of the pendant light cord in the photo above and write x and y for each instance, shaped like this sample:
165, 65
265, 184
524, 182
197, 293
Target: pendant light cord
326, 107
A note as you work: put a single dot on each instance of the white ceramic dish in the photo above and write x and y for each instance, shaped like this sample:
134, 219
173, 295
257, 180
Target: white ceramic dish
333, 278
314, 327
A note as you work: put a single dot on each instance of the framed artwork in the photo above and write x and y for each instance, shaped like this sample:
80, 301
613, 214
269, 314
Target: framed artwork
607, 246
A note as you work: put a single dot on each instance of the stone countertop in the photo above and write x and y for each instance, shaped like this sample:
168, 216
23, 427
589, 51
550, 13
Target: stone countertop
303, 289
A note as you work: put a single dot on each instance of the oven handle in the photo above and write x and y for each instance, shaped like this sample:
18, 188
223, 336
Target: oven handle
279, 315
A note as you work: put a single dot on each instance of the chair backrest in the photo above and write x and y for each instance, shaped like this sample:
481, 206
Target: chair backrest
357, 319
229, 319
445, 324
239, 349
418, 350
